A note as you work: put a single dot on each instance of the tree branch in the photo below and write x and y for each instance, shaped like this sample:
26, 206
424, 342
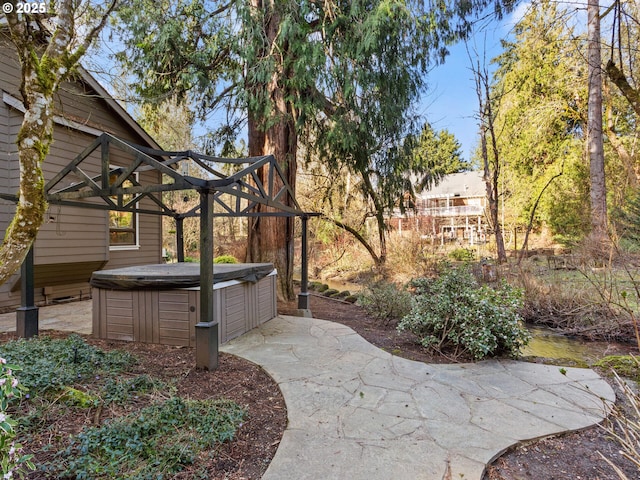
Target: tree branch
533, 213
620, 80
357, 235
93, 33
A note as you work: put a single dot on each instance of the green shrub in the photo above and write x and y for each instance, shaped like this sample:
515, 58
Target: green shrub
462, 255
225, 259
322, 287
156, 442
456, 315
385, 301
330, 292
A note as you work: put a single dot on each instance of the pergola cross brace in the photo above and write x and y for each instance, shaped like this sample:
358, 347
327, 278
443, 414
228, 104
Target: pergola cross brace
123, 187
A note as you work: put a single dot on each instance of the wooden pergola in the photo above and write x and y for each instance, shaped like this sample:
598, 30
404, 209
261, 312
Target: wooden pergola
122, 189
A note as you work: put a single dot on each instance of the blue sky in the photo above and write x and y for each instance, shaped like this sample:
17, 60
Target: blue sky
451, 102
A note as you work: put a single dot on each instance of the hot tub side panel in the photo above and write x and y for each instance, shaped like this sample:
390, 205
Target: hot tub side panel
113, 314
177, 316
148, 316
168, 317
266, 301
235, 307
244, 306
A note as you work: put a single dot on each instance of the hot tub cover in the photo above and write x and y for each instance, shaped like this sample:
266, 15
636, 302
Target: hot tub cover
175, 275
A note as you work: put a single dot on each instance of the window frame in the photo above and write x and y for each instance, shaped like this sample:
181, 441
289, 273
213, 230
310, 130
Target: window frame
136, 229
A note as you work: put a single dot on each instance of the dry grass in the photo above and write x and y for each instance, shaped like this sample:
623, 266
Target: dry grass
624, 426
584, 302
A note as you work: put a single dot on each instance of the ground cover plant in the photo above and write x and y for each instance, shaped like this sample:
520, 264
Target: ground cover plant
152, 432
157, 441
12, 460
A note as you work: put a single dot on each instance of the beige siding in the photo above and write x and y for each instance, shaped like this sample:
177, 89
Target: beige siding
8, 156
70, 234
5, 154
8, 67
149, 237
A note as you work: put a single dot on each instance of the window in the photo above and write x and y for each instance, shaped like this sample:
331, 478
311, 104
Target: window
123, 226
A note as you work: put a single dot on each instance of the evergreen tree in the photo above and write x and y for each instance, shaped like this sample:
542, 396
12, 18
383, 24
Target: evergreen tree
540, 87
342, 75
627, 219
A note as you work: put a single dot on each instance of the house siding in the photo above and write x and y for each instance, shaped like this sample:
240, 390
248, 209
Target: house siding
7, 157
72, 240
451, 211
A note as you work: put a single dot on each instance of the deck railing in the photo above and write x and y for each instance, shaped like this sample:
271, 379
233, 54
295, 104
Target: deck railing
458, 211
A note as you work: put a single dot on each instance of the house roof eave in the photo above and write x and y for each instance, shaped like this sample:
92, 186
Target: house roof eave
116, 107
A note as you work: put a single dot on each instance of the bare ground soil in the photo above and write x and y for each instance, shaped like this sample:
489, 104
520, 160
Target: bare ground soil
570, 456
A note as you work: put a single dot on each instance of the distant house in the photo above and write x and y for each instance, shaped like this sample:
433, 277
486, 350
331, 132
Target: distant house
73, 242
453, 210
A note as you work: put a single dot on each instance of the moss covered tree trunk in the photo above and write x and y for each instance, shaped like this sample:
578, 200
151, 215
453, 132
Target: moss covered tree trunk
33, 142
46, 58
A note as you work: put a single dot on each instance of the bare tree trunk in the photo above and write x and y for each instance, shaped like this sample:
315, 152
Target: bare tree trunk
357, 236
525, 243
595, 145
491, 165
380, 222
270, 239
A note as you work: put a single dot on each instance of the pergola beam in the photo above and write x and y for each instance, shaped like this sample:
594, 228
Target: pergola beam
244, 189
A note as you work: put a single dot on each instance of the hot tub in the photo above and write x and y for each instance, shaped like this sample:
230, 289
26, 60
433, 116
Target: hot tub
161, 303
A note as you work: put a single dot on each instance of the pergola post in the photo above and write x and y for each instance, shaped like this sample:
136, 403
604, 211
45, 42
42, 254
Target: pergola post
27, 314
238, 194
303, 296
180, 238
207, 328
